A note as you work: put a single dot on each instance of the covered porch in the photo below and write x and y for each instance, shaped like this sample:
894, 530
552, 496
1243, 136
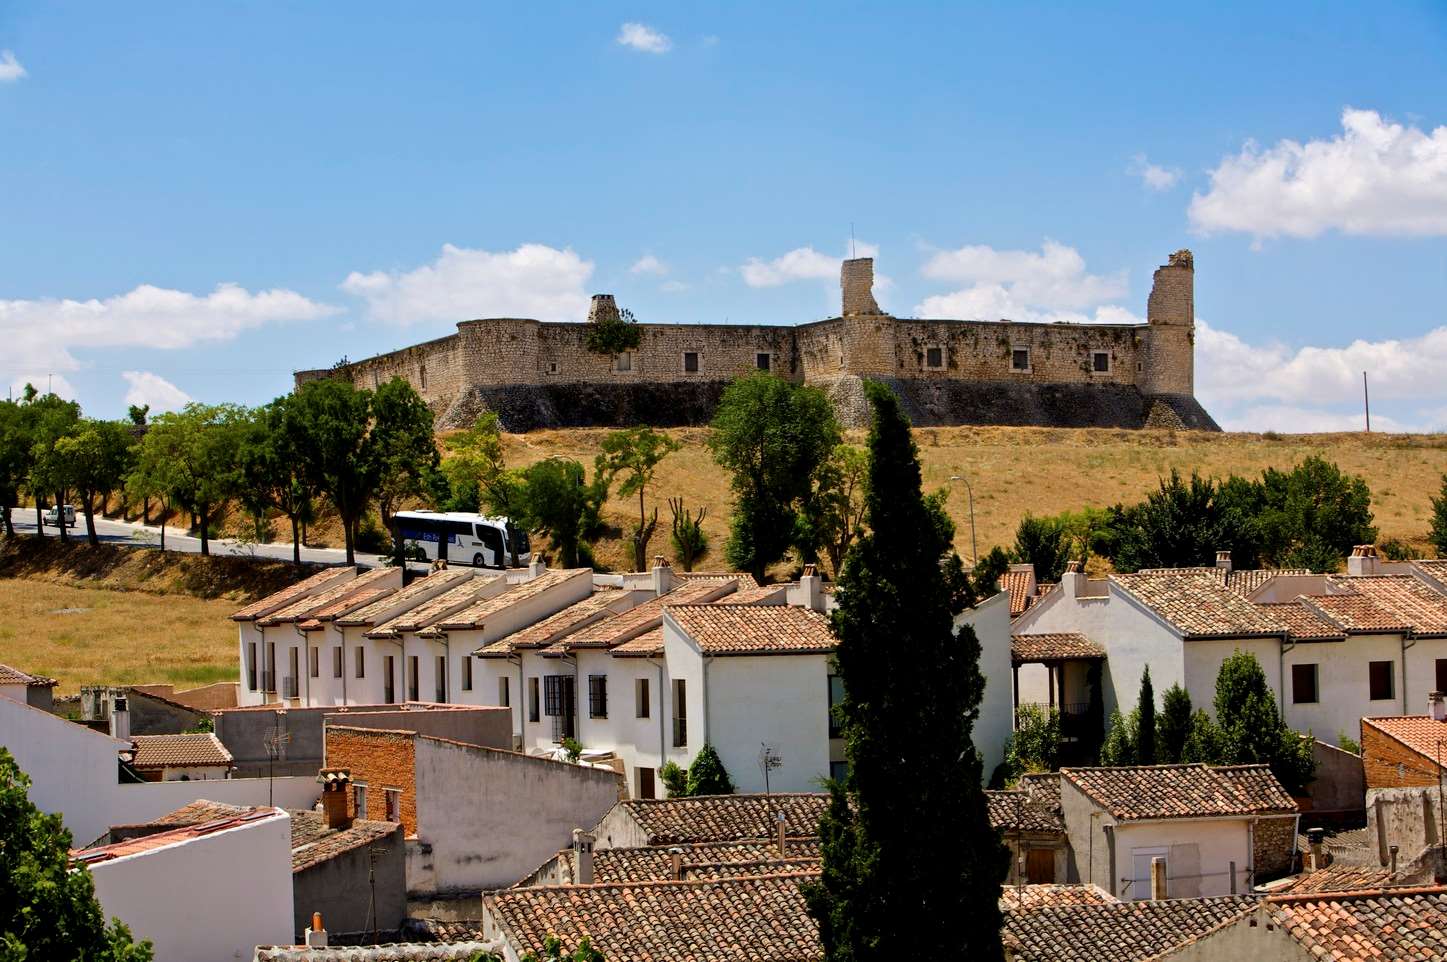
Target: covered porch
1060, 672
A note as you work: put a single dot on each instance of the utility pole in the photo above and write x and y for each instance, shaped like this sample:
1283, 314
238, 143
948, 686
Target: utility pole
1367, 401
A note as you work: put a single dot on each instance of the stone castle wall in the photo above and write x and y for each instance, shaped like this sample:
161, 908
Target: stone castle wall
538, 374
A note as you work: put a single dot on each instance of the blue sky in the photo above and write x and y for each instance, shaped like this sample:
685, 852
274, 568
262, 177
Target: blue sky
197, 199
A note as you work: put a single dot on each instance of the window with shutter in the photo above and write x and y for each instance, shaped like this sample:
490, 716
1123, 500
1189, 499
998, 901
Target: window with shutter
597, 696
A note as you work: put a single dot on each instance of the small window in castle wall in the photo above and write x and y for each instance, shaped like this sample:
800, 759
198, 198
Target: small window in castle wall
1100, 362
690, 362
623, 362
552, 367
934, 358
422, 376
761, 360
1020, 360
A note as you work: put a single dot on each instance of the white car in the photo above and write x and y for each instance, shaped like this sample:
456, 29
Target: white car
52, 516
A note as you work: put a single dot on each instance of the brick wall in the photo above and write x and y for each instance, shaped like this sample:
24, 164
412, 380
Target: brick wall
381, 760
1388, 763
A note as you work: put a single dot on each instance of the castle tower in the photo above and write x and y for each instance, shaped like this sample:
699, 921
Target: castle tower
867, 333
1169, 357
856, 282
603, 308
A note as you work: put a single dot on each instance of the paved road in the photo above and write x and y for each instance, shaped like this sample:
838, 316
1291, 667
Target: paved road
124, 532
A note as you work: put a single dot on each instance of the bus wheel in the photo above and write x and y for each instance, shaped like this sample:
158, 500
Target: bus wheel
477, 561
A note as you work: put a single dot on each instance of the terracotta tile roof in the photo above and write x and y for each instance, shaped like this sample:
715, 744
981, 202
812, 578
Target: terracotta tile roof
1182, 791
1356, 613
1402, 925
1119, 931
1053, 646
1336, 878
635, 621
1029, 898
291, 593
312, 843
304, 608
1306, 623
477, 614
179, 751
414, 594
14, 676
762, 919
759, 594
1044, 789
593, 608
343, 605
453, 599
148, 843
723, 629
654, 864
1420, 733
390, 952
1406, 598
425, 929
727, 870
200, 811
1248, 580
1434, 568
1018, 585
726, 818
647, 645
1199, 605
1016, 811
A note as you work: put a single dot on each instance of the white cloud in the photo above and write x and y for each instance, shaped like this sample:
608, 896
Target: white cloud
533, 281
672, 287
152, 389
1154, 176
644, 38
1051, 285
648, 264
43, 335
1376, 178
802, 264
10, 68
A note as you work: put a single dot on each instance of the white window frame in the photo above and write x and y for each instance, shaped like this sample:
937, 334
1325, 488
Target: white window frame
1029, 359
359, 799
392, 799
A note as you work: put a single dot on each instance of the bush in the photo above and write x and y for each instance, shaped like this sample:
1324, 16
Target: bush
572, 749
1035, 744
1119, 747
613, 334
706, 776
674, 778
371, 539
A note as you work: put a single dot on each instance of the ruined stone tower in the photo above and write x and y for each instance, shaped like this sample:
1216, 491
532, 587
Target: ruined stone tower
1168, 365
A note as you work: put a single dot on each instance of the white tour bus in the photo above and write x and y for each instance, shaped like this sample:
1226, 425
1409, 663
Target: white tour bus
461, 538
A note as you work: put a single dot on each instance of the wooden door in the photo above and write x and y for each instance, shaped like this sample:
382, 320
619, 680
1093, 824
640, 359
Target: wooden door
1040, 866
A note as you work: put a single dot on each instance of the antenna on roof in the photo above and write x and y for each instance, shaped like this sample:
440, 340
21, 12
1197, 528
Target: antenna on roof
851, 240
276, 738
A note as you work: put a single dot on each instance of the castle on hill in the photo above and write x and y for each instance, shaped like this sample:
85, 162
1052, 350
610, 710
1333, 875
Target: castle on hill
538, 374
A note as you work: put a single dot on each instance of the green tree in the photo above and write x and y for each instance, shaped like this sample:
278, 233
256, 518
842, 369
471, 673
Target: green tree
690, 543
1438, 532
335, 423
1177, 526
1203, 744
51, 418
612, 333
1314, 514
1252, 731
191, 457
771, 436
1119, 747
137, 414
634, 454
475, 460
674, 778
273, 467
1145, 716
48, 909
15, 454
1173, 725
834, 515
401, 443
95, 460
1044, 543
1034, 746
561, 504
883, 893
553, 951
706, 774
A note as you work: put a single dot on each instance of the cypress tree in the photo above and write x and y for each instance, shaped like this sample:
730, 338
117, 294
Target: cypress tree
1173, 726
912, 690
1145, 739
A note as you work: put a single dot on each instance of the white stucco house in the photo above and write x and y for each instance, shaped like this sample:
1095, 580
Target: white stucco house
205, 893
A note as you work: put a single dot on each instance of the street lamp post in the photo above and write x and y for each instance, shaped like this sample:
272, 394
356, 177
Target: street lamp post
974, 547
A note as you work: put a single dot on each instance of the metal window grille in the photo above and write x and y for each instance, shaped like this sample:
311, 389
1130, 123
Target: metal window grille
597, 696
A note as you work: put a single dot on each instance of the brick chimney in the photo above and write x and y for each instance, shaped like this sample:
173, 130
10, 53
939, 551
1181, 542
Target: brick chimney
1364, 561
675, 864
336, 787
583, 855
856, 282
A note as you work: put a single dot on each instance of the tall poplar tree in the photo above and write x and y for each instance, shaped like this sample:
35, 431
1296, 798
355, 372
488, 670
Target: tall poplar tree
1145, 745
912, 695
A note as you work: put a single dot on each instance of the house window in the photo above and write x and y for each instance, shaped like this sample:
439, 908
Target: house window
1303, 684
504, 696
762, 360
690, 362
1441, 675
314, 661
467, 673
389, 670
422, 376
597, 696
1020, 360
533, 711
412, 678
640, 698
559, 704
838, 770
680, 713
361, 662
251, 666
359, 799
623, 363
337, 662
442, 679
934, 358
836, 696
1100, 362
394, 804
1381, 678
645, 784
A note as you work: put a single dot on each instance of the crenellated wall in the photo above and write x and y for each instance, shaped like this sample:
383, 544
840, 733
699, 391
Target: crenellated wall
537, 374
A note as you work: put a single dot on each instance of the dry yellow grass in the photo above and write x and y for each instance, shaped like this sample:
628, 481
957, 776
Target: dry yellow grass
86, 636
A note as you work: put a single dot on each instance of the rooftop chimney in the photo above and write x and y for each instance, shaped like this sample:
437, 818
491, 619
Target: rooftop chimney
1437, 706
1158, 879
1223, 560
536, 567
675, 864
316, 936
1316, 860
336, 783
811, 589
663, 578
1364, 561
1074, 579
856, 281
783, 834
120, 718
583, 853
